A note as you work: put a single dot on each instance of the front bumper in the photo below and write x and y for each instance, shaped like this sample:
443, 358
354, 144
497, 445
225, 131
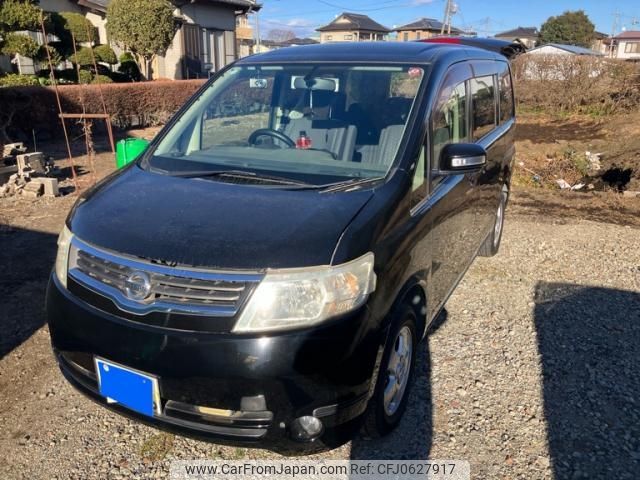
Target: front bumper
265, 381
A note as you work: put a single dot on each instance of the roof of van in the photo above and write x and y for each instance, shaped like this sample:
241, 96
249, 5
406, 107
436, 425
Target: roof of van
391, 52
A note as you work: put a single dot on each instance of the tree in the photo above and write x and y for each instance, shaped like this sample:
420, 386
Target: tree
144, 27
67, 26
280, 35
572, 28
17, 16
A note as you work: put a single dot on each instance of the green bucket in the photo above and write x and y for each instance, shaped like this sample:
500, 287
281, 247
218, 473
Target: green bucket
128, 150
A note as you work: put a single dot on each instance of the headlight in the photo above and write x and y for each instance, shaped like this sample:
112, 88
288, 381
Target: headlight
287, 299
62, 258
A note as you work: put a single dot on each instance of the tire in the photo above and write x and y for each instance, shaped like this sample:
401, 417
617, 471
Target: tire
491, 244
383, 416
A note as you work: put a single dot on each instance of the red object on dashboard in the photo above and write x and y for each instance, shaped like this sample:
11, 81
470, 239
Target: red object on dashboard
303, 142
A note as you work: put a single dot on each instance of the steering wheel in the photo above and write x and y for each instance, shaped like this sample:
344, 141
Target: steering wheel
270, 132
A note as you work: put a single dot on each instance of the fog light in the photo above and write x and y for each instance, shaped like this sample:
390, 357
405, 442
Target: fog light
306, 429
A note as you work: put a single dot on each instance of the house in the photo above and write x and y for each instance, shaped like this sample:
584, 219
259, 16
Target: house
421, 29
528, 36
626, 46
244, 36
559, 49
205, 40
599, 43
353, 27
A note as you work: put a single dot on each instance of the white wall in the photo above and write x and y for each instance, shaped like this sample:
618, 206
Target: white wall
549, 50
621, 49
170, 65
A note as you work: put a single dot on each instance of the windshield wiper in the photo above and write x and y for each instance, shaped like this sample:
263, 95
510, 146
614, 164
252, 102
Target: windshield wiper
356, 182
337, 186
236, 174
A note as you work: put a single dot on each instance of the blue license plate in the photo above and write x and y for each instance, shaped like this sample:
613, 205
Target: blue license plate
135, 390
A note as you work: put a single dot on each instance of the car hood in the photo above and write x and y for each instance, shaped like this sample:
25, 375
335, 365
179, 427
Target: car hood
206, 223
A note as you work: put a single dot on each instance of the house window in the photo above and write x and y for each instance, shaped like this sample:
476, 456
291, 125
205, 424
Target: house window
348, 37
632, 47
418, 35
405, 37
329, 38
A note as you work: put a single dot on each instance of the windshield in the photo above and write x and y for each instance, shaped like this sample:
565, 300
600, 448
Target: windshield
313, 123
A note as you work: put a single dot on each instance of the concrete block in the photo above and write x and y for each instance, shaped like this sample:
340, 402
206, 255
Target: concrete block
33, 189
50, 186
13, 149
34, 161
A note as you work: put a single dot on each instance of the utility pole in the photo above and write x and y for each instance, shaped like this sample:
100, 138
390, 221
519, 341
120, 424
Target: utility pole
447, 18
616, 20
257, 12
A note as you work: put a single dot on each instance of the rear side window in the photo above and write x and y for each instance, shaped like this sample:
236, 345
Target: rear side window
483, 105
506, 96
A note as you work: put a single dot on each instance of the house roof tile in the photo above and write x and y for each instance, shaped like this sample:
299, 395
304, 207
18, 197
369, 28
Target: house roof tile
520, 32
353, 21
628, 35
430, 24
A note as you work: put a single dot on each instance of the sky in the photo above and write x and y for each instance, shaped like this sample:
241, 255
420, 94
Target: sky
486, 17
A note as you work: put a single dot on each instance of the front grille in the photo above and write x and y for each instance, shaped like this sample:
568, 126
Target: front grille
171, 289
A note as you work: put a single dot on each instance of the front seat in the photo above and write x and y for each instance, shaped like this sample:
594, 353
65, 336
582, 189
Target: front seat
321, 125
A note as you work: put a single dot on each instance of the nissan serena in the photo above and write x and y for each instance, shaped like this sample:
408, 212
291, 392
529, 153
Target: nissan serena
265, 271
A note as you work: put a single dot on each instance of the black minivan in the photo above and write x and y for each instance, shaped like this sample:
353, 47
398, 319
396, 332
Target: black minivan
265, 271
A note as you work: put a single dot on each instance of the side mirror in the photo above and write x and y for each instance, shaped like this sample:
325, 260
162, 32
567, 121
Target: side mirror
462, 157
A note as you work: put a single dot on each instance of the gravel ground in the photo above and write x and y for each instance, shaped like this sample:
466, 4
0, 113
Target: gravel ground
534, 373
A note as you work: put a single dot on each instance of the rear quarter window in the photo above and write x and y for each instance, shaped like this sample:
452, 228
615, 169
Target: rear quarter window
506, 96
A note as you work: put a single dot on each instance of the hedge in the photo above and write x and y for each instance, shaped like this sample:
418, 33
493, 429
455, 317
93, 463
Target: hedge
129, 104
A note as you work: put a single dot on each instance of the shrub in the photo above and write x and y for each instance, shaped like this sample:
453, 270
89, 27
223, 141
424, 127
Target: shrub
85, 76
19, 43
15, 80
83, 57
576, 84
81, 28
105, 54
101, 79
141, 104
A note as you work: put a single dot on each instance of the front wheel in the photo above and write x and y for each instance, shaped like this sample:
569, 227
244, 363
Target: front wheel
491, 244
389, 400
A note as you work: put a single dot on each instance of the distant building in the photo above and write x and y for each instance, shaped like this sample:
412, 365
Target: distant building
528, 36
559, 49
353, 27
268, 45
599, 43
626, 46
244, 36
421, 29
